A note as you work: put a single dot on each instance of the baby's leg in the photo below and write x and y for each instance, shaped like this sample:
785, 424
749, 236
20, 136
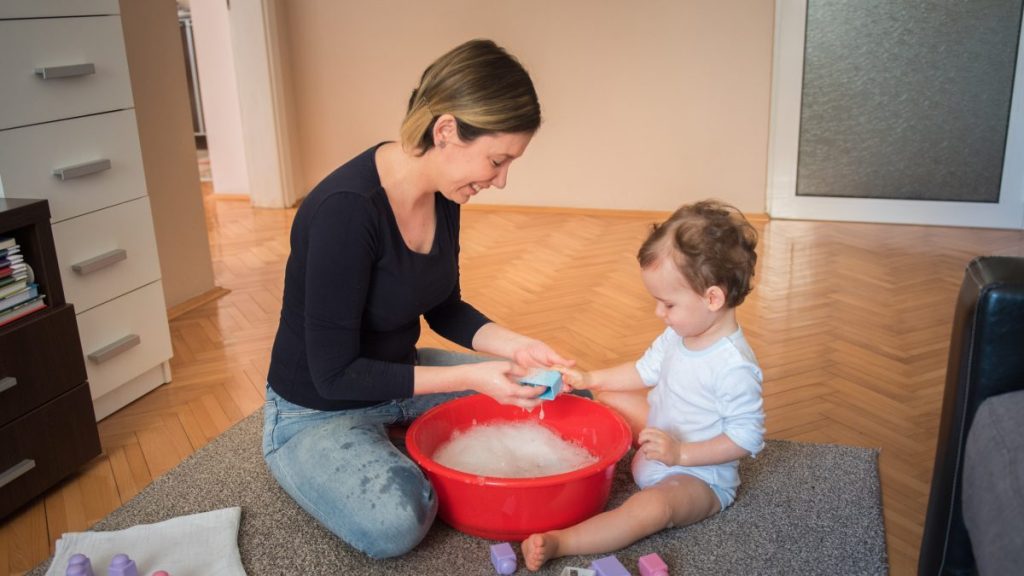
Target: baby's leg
631, 404
675, 501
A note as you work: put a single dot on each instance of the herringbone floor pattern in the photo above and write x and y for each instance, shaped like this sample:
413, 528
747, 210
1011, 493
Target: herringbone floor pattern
850, 322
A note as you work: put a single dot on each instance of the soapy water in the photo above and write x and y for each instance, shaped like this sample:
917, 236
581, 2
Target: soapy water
512, 450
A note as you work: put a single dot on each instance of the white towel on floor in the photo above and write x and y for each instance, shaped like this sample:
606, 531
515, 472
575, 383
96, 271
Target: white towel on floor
195, 545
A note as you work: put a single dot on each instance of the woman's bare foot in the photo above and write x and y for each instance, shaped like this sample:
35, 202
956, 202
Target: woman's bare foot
538, 549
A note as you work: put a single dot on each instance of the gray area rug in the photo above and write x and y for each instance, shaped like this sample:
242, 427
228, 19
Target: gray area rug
802, 509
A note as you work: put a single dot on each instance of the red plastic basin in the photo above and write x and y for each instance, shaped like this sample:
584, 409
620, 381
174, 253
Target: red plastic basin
514, 508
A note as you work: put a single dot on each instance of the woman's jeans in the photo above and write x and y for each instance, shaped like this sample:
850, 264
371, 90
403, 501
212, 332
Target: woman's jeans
342, 468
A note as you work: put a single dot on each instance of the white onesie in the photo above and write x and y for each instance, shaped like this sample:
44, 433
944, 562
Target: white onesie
697, 395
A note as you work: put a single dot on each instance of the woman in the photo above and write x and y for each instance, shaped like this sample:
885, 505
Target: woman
374, 246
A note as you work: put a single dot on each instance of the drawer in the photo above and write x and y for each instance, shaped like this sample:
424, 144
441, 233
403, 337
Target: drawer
52, 8
106, 253
30, 155
40, 359
59, 45
124, 338
44, 446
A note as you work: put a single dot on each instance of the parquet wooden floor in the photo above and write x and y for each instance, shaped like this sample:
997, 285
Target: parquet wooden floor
850, 322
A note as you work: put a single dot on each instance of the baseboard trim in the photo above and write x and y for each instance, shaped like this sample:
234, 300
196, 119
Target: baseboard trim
656, 215
196, 301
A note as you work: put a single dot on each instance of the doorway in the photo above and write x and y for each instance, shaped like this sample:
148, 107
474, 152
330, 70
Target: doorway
899, 112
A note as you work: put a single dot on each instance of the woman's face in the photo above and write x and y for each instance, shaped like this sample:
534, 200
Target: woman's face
469, 167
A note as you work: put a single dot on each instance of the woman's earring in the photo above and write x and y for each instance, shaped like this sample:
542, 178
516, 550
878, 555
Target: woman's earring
443, 143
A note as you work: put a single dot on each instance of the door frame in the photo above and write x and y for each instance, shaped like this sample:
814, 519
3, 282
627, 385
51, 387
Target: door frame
783, 148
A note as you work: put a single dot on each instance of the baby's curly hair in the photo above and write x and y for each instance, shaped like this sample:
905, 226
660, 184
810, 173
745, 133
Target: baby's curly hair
711, 243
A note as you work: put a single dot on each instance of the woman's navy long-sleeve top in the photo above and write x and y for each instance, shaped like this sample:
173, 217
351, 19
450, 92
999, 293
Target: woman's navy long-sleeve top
354, 293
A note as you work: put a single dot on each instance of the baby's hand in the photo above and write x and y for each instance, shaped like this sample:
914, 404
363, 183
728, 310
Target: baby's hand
658, 445
573, 379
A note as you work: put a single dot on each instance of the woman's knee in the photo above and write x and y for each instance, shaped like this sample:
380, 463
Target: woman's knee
399, 517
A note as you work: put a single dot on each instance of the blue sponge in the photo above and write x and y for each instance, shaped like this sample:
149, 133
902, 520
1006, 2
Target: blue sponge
550, 379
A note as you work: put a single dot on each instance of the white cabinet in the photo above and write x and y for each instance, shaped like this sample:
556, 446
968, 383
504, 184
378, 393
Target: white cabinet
68, 134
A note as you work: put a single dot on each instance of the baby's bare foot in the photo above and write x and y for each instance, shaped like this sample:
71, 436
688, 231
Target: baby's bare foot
538, 549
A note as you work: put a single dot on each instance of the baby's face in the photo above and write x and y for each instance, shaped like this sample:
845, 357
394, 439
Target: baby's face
688, 313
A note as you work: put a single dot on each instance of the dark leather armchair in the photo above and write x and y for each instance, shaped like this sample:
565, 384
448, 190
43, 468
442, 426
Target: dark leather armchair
986, 360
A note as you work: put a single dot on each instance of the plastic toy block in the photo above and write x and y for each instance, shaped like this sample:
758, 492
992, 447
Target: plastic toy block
550, 379
573, 571
160, 573
122, 565
79, 565
609, 566
652, 565
504, 558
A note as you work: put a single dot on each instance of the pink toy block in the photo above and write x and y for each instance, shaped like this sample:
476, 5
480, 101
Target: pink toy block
504, 558
160, 573
122, 565
609, 566
79, 565
652, 565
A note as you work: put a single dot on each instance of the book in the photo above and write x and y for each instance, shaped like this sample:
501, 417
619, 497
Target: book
24, 295
6, 242
11, 259
12, 250
22, 310
15, 285
5, 280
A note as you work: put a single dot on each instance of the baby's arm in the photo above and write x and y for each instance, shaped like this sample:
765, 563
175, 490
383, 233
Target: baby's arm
618, 378
658, 445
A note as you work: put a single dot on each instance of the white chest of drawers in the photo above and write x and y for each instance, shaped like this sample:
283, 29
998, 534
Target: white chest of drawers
68, 134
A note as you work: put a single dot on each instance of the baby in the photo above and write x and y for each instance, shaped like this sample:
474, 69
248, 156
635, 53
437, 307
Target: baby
693, 400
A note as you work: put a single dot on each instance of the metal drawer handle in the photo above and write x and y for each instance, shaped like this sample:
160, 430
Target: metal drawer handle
113, 349
19, 469
99, 262
84, 169
8, 382
68, 71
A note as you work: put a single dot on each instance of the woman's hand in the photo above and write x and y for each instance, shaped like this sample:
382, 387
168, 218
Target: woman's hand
658, 445
536, 354
498, 380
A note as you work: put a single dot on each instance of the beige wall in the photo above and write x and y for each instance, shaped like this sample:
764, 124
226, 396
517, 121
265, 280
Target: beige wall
646, 104
157, 70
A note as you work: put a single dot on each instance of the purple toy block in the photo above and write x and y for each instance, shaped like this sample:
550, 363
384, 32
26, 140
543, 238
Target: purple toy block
652, 565
79, 565
550, 379
122, 565
504, 558
609, 566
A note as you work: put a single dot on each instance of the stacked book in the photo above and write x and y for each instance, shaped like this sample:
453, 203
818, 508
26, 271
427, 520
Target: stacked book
19, 295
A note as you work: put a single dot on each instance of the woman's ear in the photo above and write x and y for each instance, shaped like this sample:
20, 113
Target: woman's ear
715, 297
446, 129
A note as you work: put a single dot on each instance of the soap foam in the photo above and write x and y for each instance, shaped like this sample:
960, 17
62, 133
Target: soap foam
512, 450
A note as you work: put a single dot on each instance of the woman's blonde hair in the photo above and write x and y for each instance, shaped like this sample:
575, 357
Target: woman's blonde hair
711, 243
484, 87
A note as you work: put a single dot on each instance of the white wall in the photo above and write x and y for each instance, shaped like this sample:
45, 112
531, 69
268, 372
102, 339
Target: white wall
219, 89
646, 104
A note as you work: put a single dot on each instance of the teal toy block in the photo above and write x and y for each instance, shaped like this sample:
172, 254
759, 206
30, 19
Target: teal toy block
550, 379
